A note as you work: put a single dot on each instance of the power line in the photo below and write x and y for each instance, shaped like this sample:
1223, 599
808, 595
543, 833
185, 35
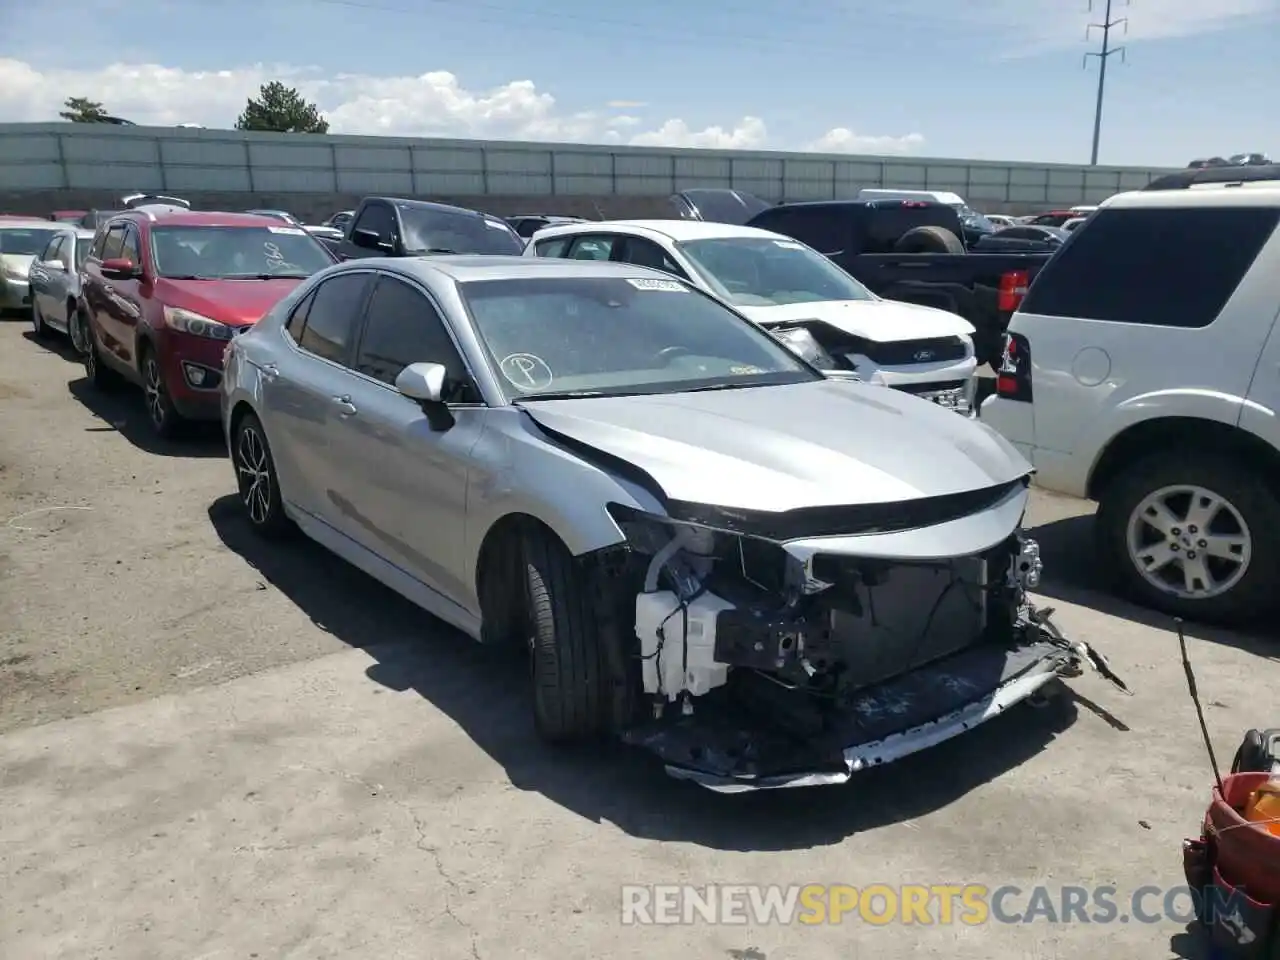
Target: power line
1103, 55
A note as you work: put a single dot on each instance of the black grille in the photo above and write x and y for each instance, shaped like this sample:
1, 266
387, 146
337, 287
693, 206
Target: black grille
934, 387
903, 353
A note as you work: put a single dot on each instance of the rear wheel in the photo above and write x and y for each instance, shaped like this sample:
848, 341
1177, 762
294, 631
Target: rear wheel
256, 479
1193, 537
581, 687
165, 420
99, 374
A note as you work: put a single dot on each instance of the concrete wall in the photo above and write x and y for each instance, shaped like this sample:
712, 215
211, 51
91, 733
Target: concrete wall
72, 166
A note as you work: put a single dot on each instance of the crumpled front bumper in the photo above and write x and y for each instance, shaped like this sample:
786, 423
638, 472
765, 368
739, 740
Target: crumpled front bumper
724, 747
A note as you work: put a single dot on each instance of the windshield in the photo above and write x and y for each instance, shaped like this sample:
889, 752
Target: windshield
764, 272
216, 253
25, 241
442, 231
598, 336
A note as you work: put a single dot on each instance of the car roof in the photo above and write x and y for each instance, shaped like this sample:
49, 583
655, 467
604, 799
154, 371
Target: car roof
404, 204
24, 222
1259, 194
677, 230
202, 218
464, 268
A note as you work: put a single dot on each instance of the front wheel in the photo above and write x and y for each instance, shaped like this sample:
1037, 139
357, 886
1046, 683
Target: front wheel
38, 326
96, 372
581, 686
1193, 537
165, 420
256, 479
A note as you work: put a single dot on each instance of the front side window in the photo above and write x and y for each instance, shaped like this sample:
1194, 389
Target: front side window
377, 218
236, 253
433, 230
24, 241
403, 327
332, 316
763, 272
54, 250
130, 246
612, 336
83, 244
596, 247
1165, 266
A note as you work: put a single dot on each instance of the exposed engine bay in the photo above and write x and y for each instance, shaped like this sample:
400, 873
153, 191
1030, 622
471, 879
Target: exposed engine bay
767, 665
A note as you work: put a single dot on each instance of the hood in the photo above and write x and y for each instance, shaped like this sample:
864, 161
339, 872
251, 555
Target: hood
817, 444
235, 302
18, 264
879, 320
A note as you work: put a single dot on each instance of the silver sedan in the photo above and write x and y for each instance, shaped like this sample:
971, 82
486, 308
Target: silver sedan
765, 576
54, 278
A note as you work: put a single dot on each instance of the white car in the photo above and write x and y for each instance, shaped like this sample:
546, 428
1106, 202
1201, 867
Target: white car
1143, 371
797, 294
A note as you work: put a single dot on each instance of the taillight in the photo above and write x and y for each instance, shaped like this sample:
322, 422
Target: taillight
1013, 376
1013, 287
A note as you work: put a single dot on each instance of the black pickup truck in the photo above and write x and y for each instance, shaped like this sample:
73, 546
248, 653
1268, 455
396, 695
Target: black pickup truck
907, 250
392, 227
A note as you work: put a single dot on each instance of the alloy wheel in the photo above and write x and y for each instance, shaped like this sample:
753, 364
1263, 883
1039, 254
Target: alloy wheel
76, 328
253, 474
153, 386
90, 357
1189, 542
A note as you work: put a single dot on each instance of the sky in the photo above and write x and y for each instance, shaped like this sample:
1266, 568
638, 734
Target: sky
987, 79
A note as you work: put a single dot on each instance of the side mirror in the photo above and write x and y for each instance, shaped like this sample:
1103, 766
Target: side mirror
424, 383
370, 240
119, 268
55, 265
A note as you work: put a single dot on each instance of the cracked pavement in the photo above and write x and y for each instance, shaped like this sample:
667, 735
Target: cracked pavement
211, 749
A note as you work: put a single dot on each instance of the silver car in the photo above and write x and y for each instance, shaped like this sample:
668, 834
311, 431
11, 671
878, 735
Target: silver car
766, 576
21, 241
55, 285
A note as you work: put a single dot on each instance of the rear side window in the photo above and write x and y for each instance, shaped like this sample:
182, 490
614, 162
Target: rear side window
333, 315
826, 229
555, 247
1161, 267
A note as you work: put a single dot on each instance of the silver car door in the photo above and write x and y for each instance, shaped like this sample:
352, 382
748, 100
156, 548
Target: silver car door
55, 310
310, 369
41, 274
407, 481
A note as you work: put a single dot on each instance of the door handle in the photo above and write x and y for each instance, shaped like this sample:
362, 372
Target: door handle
269, 371
345, 407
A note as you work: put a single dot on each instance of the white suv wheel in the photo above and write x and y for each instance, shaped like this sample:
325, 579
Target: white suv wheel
1189, 541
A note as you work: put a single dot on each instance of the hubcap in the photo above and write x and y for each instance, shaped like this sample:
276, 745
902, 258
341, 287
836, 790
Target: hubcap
253, 474
154, 387
1189, 542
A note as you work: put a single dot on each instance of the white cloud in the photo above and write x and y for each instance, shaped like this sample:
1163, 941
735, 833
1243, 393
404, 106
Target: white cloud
626, 104
433, 104
844, 140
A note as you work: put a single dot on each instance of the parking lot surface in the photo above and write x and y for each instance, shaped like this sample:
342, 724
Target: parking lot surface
214, 749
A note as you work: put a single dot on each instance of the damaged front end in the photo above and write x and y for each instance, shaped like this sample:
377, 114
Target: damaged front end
794, 650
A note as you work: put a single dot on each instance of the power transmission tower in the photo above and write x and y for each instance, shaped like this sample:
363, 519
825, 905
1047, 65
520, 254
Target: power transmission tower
1105, 54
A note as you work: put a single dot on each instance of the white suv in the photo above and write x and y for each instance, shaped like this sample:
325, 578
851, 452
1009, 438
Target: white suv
797, 294
1143, 371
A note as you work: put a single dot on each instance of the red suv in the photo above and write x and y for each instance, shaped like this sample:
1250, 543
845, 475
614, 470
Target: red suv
162, 293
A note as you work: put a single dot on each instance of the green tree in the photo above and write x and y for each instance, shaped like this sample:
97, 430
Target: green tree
83, 110
283, 110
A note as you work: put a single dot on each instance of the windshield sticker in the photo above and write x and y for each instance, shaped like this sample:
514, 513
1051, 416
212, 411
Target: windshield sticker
788, 244
670, 286
526, 371
290, 231
745, 369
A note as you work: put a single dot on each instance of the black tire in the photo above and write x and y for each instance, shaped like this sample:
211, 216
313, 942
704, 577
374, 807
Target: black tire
928, 240
41, 329
1254, 594
96, 372
256, 479
166, 422
582, 688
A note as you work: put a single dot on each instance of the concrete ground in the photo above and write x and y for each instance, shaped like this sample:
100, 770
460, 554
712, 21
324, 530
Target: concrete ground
209, 749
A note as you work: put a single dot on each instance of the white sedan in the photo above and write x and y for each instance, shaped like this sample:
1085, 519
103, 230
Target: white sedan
796, 293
